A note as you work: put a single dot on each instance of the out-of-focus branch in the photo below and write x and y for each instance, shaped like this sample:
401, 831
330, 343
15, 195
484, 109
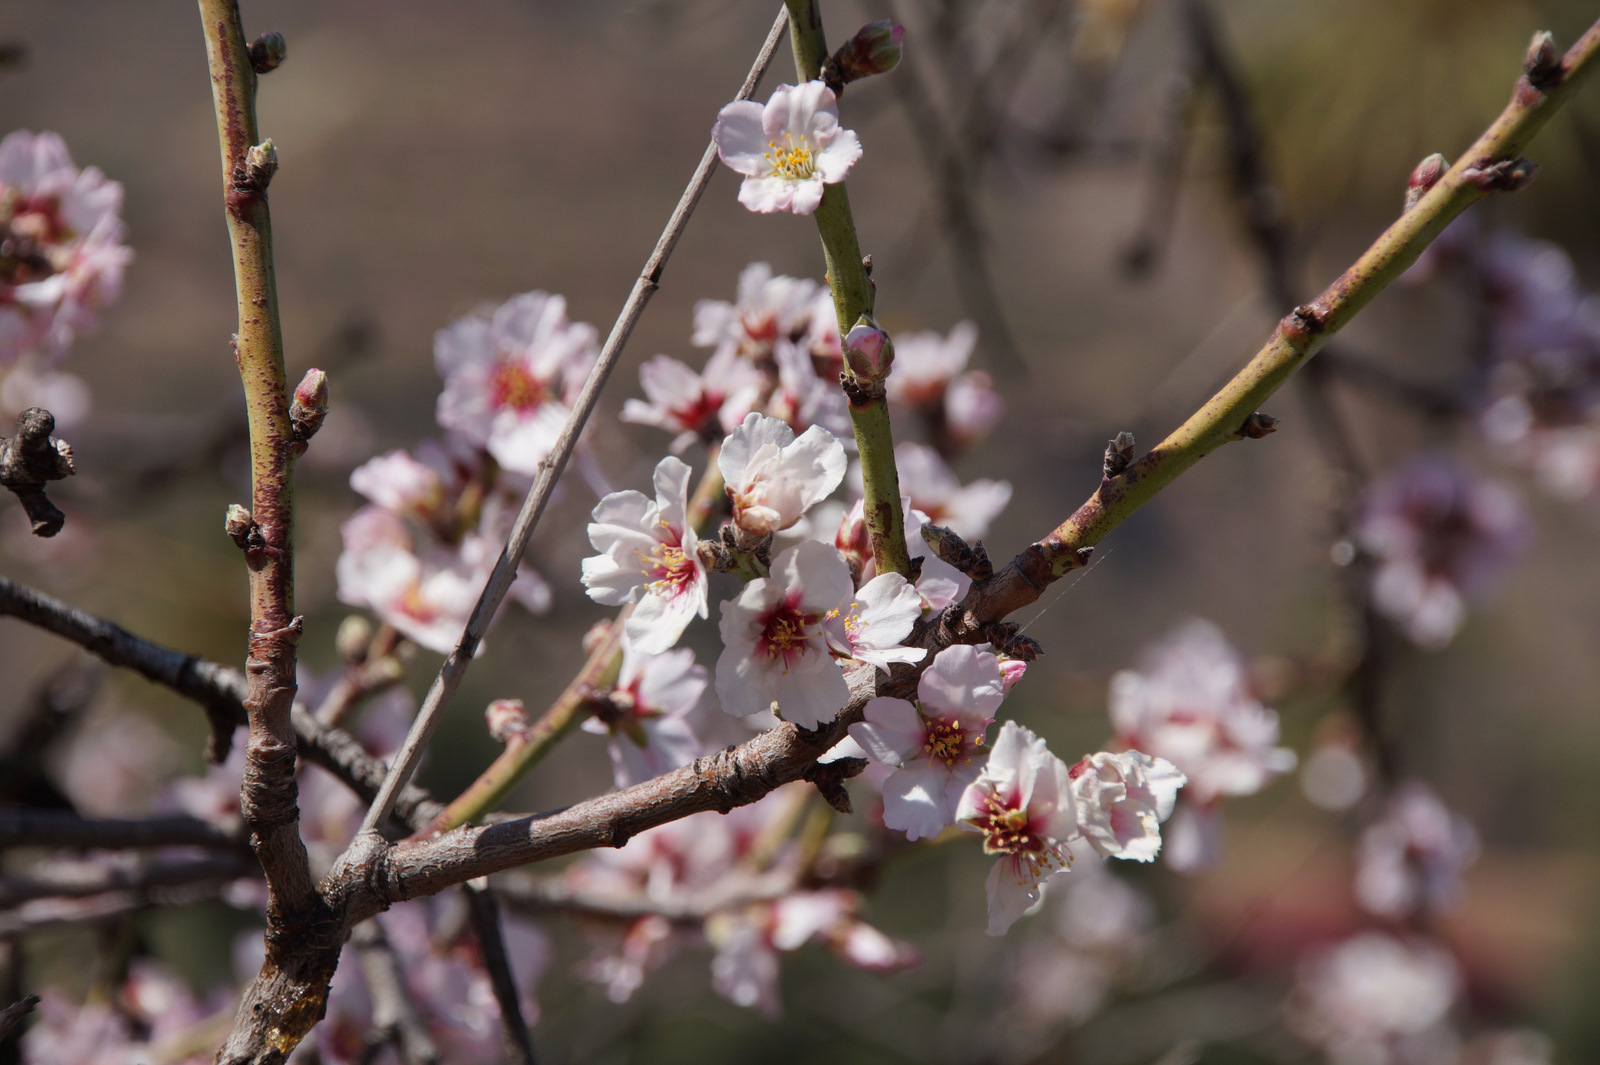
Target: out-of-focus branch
1491, 164
30, 460
55, 706
484, 911
13, 1014
394, 1014
50, 912
853, 298
505, 568
97, 880
63, 828
524, 750
545, 894
218, 688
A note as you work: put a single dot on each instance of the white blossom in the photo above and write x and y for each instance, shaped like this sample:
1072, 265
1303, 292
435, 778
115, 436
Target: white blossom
648, 713
934, 747
773, 477
787, 149
769, 308
1122, 800
934, 490
1376, 1000
1411, 860
695, 406
649, 556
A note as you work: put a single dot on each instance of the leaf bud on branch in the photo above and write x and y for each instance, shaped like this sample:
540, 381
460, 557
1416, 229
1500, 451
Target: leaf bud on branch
1256, 426
31, 459
1425, 177
267, 52
310, 406
1542, 63
1119, 454
240, 526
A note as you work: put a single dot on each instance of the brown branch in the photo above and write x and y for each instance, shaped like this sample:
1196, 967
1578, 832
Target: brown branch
484, 910
54, 707
545, 894
394, 1014
13, 1014
217, 688
63, 828
51, 912
97, 880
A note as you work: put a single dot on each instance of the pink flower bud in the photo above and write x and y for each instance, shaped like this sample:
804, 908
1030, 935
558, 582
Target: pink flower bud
852, 539
310, 405
868, 351
267, 52
1011, 671
875, 49
507, 720
1425, 177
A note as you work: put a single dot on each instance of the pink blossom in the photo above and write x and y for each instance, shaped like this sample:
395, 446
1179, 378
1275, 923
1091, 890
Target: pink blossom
1191, 703
1376, 1000
769, 308
649, 555
511, 375
1412, 859
773, 477
1022, 804
935, 747
1122, 800
804, 398
930, 374
696, 406
934, 490
781, 634
1439, 535
647, 713
939, 584
64, 253
786, 149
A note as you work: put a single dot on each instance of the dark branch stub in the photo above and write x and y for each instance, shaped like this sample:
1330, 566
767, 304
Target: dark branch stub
30, 460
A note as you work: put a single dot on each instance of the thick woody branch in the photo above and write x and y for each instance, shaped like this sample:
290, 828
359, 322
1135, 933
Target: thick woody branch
30, 460
219, 689
853, 298
505, 568
1298, 337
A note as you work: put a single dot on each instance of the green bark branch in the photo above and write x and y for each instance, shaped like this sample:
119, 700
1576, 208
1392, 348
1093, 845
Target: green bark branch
852, 300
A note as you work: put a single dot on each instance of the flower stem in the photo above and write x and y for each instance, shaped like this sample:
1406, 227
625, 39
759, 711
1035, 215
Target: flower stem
852, 298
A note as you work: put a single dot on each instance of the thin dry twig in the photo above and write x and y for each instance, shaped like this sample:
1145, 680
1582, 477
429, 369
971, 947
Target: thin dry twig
484, 910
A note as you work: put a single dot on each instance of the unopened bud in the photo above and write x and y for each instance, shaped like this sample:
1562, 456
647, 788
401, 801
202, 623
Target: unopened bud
1256, 426
267, 52
852, 540
1011, 671
507, 720
1508, 175
868, 351
1542, 60
310, 405
1119, 454
238, 525
260, 163
353, 639
1425, 177
875, 49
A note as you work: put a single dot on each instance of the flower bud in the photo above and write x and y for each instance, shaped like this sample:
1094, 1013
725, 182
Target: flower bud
310, 405
1119, 454
507, 720
1257, 426
267, 52
1011, 671
1542, 60
238, 524
875, 49
1425, 177
353, 638
260, 163
868, 351
852, 540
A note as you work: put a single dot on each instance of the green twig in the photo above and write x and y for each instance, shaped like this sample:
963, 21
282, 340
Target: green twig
853, 300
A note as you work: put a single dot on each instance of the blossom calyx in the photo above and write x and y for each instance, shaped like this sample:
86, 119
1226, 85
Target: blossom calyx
1425, 177
868, 351
310, 405
267, 52
875, 49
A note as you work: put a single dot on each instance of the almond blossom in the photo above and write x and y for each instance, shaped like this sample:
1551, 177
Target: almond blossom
1377, 1000
696, 406
787, 149
939, 583
1022, 804
769, 308
648, 555
1191, 703
930, 374
804, 398
781, 634
935, 746
647, 713
773, 477
510, 376
61, 250
1412, 859
1439, 535
1122, 800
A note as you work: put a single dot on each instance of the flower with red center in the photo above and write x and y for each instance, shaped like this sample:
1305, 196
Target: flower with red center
936, 749
1023, 807
774, 477
649, 556
696, 406
510, 376
782, 634
647, 713
769, 308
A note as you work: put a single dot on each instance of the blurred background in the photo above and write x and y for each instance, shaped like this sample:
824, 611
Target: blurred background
1065, 174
